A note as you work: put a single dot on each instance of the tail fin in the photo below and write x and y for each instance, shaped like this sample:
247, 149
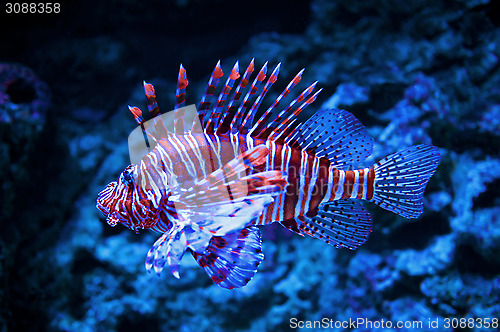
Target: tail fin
400, 179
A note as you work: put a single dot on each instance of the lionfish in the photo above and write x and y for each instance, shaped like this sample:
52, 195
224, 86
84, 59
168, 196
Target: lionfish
208, 185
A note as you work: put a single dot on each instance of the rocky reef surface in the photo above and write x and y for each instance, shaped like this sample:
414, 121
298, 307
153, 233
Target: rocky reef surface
411, 71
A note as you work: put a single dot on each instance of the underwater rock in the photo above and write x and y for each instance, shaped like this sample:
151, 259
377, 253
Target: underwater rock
453, 293
24, 101
434, 259
477, 221
490, 122
87, 114
347, 95
23, 96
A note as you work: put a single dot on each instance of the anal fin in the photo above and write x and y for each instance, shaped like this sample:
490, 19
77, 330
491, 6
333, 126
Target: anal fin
342, 223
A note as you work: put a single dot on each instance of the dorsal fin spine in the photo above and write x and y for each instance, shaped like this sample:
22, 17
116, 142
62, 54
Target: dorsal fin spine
209, 92
280, 121
256, 129
182, 83
288, 131
180, 97
261, 76
154, 110
230, 112
149, 90
247, 122
213, 120
137, 113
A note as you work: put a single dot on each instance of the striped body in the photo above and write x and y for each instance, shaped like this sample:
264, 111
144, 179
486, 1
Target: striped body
312, 180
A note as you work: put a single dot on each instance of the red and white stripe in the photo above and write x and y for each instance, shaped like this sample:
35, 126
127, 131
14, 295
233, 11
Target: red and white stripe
311, 179
355, 184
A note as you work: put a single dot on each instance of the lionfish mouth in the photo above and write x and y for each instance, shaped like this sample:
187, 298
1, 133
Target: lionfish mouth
103, 198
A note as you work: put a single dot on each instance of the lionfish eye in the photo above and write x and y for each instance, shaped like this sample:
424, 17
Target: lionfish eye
127, 177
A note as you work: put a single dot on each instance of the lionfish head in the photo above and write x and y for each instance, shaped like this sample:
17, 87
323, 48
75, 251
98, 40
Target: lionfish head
117, 199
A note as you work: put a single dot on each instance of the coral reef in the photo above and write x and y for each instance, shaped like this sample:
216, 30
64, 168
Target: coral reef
412, 72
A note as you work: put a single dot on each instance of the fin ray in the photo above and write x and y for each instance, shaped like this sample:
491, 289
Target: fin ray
248, 121
342, 223
401, 178
262, 120
242, 110
206, 99
286, 117
154, 110
231, 261
180, 100
230, 113
215, 115
334, 134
